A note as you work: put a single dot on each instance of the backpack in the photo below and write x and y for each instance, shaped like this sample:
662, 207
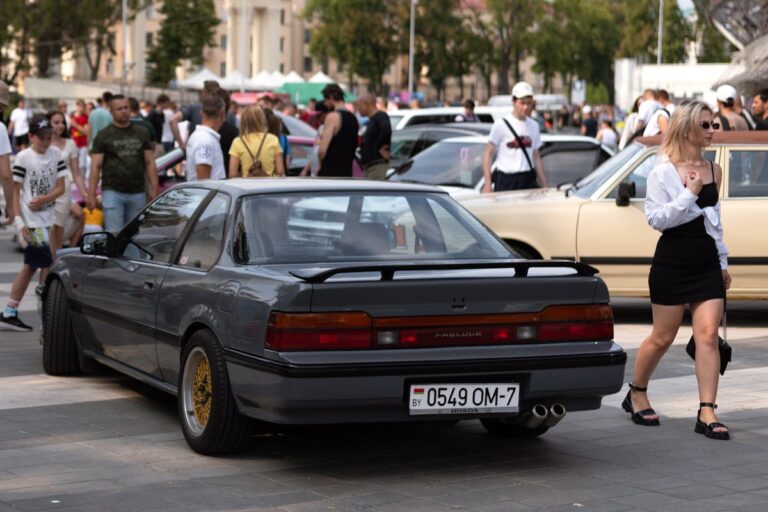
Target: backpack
256, 170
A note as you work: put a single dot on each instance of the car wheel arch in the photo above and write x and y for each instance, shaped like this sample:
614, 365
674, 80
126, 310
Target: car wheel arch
190, 330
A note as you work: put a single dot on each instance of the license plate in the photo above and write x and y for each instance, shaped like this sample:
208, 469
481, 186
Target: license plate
463, 398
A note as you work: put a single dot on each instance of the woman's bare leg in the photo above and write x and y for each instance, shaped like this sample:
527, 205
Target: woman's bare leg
55, 239
666, 322
706, 319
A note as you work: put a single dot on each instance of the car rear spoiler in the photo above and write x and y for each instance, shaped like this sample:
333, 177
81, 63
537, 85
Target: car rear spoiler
319, 275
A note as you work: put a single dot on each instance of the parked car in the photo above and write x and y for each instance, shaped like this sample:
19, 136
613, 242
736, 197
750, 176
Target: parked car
458, 162
600, 220
330, 301
441, 115
410, 141
296, 127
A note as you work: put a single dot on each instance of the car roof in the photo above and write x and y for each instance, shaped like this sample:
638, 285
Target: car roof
731, 137
545, 138
247, 186
466, 127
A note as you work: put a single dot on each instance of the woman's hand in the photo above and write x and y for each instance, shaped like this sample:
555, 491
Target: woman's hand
726, 279
693, 182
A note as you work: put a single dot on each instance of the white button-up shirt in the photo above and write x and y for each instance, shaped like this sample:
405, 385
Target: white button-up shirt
668, 203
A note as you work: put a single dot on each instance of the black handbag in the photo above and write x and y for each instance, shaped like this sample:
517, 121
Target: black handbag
722, 345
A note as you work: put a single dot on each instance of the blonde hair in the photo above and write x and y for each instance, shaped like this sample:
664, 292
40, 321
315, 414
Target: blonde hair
685, 119
253, 120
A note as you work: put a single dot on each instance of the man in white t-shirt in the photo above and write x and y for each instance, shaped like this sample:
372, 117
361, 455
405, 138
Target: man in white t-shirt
5, 158
659, 119
204, 158
19, 125
517, 166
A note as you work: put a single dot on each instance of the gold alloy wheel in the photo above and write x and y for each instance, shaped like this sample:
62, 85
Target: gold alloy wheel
196, 391
202, 391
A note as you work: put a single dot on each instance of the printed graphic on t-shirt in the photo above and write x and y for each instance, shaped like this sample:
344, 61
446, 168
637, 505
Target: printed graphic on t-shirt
527, 142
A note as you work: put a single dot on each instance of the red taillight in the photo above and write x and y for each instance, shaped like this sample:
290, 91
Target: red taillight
576, 323
319, 331
358, 331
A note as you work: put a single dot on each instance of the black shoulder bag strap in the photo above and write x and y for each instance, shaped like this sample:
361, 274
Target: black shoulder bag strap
519, 143
724, 122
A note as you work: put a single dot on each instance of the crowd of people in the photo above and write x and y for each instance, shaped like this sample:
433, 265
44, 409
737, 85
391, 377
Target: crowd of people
94, 168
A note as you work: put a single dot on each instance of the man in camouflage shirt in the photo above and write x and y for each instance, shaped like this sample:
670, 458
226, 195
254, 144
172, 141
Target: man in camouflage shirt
122, 155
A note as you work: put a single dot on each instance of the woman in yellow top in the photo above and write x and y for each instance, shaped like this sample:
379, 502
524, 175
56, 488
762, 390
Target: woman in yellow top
255, 141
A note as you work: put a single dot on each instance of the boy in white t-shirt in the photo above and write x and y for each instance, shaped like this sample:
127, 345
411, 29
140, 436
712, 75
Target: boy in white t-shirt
38, 175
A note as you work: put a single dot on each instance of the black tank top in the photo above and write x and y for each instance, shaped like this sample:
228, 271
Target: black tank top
695, 228
341, 150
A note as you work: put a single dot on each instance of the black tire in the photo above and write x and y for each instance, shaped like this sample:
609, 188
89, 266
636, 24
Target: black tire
208, 413
509, 427
524, 251
60, 356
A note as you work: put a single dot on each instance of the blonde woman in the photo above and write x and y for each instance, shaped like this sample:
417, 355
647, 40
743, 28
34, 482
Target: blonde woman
256, 152
690, 265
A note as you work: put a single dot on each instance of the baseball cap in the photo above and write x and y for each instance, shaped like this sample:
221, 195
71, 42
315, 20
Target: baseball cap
521, 90
586, 110
39, 125
5, 95
725, 93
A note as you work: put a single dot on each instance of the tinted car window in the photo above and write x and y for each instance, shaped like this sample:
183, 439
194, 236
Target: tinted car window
291, 228
296, 126
747, 173
566, 164
403, 143
587, 186
433, 118
639, 176
203, 247
153, 234
446, 163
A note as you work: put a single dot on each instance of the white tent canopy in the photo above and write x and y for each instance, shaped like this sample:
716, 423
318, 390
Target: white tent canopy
321, 78
293, 78
261, 80
234, 81
196, 80
278, 79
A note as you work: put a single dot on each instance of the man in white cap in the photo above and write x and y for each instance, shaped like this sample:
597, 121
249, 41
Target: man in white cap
516, 141
5, 157
729, 119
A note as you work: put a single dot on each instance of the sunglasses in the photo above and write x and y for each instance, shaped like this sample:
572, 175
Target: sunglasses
706, 125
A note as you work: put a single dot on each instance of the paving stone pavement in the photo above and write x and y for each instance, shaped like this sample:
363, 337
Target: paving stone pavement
106, 443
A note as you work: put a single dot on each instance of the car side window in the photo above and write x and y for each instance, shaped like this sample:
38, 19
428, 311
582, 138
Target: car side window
639, 176
152, 236
203, 247
747, 173
403, 143
569, 165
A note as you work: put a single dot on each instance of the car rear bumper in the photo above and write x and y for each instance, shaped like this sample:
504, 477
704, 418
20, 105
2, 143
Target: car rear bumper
312, 394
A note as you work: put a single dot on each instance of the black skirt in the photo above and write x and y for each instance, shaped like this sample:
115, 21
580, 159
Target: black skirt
686, 267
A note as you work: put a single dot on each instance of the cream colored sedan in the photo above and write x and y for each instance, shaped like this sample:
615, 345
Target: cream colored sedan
600, 220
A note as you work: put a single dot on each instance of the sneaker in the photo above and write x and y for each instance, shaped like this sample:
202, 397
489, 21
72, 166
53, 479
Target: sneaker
12, 323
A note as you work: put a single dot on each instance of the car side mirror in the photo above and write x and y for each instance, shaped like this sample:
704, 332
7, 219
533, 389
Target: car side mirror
626, 191
101, 243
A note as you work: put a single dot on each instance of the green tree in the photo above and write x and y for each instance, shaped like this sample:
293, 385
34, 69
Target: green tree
481, 50
639, 20
15, 34
361, 34
188, 28
713, 46
512, 24
438, 36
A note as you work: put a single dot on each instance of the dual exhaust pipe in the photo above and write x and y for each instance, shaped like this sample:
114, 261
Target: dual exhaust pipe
541, 415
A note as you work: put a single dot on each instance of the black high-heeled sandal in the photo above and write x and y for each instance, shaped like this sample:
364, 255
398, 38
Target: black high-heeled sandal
639, 417
708, 429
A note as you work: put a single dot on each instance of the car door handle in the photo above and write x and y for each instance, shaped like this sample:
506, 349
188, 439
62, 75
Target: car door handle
149, 285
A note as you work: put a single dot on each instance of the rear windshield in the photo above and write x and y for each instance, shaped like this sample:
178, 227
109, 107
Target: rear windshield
446, 163
293, 228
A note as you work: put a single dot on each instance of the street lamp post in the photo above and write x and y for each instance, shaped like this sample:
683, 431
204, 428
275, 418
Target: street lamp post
124, 81
659, 50
411, 47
